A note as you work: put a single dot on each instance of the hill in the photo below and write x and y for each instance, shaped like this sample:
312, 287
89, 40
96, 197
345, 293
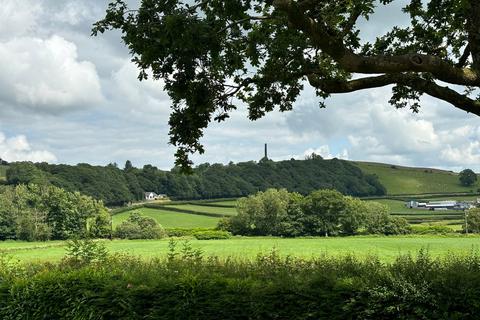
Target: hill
208, 181
408, 180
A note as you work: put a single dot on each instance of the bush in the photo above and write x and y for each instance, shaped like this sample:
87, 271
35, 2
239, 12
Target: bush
183, 232
431, 229
138, 227
212, 235
85, 251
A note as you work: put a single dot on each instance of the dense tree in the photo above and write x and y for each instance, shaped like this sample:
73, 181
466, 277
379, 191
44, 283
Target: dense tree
209, 52
322, 210
321, 213
467, 177
265, 213
379, 221
473, 221
46, 212
117, 187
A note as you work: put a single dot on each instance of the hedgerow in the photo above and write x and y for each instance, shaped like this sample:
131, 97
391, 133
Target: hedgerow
185, 285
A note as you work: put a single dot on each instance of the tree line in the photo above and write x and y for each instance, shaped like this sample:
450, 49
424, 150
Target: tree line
321, 213
40, 213
116, 186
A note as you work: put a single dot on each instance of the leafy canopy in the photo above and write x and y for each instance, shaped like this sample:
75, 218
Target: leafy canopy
467, 177
211, 54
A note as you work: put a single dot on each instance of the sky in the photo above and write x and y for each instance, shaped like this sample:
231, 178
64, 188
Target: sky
67, 97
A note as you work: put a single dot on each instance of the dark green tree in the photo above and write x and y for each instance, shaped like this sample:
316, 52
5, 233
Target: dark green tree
467, 177
210, 53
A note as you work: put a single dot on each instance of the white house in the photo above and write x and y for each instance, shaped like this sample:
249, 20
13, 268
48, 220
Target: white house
153, 196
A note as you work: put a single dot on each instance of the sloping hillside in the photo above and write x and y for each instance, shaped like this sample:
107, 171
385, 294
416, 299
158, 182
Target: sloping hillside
407, 180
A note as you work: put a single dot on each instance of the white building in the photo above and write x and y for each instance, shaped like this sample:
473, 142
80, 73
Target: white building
149, 196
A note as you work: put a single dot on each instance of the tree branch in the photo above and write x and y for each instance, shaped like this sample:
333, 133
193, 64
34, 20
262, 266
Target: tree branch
352, 62
254, 18
463, 59
413, 81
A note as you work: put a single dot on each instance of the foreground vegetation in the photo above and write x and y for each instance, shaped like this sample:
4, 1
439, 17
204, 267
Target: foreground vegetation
90, 284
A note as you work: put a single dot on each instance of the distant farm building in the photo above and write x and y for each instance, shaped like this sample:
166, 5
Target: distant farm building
440, 205
149, 196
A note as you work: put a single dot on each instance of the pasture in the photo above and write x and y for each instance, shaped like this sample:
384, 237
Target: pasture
386, 248
170, 219
407, 180
204, 208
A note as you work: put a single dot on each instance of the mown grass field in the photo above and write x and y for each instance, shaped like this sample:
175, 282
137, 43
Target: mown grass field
406, 180
386, 248
171, 219
205, 209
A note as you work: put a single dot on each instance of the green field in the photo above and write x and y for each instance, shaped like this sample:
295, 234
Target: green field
386, 248
227, 203
406, 180
171, 219
205, 209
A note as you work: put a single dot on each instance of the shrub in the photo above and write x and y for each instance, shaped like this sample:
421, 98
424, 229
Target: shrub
212, 235
183, 232
431, 229
138, 227
85, 251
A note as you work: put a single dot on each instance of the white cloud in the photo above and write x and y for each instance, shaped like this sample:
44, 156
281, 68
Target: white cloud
324, 151
18, 17
45, 75
17, 148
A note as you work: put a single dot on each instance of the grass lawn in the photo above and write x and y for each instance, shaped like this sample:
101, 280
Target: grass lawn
386, 248
406, 180
229, 203
171, 219
205, 209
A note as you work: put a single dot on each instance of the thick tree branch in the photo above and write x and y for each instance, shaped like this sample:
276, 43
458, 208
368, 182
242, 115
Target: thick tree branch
473, 29
463, 59
429, 87
351, 62
351, 21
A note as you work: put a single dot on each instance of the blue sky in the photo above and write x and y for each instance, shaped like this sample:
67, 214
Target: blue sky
66, 97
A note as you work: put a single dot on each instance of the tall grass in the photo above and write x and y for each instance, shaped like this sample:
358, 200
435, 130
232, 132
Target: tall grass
186, 285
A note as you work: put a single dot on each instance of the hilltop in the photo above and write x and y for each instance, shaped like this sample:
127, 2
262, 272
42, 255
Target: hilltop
413, 180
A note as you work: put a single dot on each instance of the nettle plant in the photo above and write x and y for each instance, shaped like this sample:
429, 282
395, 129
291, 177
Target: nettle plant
213, 53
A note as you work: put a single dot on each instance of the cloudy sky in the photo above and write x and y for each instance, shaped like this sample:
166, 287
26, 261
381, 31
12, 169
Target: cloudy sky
66, 97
